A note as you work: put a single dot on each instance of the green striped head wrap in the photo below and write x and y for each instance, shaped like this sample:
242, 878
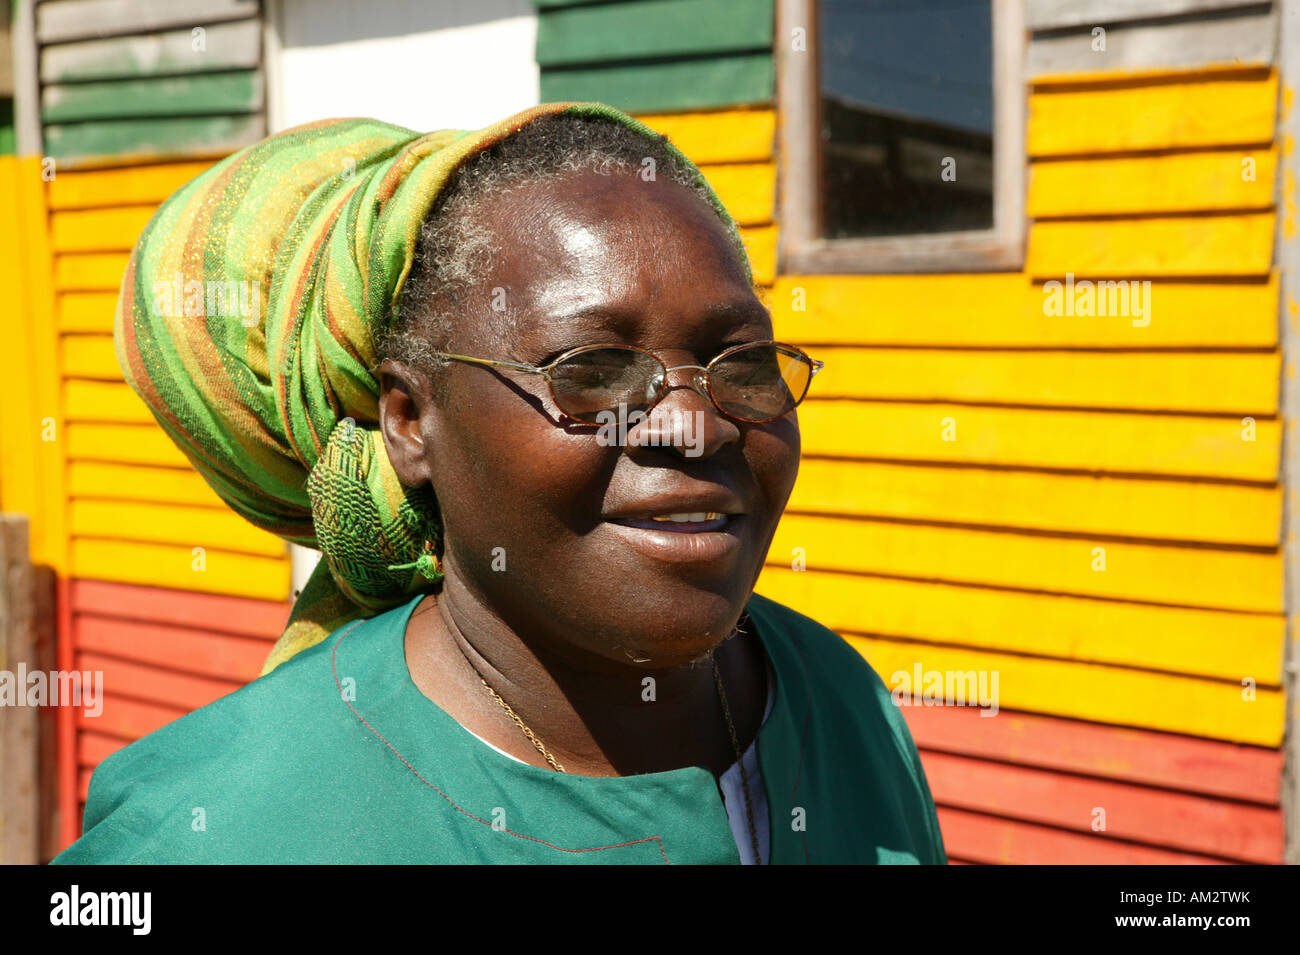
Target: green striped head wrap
276, 402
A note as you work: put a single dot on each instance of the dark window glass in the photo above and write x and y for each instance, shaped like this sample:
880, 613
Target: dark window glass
904, 85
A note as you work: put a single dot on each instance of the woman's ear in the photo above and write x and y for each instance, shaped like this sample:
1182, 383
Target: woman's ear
406, 408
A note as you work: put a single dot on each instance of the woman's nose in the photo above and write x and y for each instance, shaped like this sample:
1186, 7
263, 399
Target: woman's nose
693, 428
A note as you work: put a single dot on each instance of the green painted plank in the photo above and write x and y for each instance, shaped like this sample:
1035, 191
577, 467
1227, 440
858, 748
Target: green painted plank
704, 83
223, 46
173, 136
198, 95
652, 28
61, 20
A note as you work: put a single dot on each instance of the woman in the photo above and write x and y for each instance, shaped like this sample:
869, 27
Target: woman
518, 388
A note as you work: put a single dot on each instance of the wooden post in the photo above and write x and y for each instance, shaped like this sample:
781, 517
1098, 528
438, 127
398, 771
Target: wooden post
20, 723
27, 89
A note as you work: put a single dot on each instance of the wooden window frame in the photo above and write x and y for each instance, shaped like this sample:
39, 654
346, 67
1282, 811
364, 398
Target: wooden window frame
802, 248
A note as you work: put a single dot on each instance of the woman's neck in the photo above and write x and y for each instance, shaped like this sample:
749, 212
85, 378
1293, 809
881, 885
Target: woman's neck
595, 718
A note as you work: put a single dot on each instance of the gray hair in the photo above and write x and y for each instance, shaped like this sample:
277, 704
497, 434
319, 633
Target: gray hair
455, 244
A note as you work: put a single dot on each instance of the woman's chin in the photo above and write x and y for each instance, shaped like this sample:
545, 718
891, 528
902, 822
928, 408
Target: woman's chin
669, 643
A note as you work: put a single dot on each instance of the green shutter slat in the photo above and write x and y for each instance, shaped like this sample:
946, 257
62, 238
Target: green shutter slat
200, 94
207, 134
59, 21
551, 4
224, 46
652, 28
674, 85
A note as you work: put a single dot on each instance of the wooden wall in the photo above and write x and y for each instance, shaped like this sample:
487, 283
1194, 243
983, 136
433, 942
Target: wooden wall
149, 76
652, 55
137, 514
163, 588
1119, 689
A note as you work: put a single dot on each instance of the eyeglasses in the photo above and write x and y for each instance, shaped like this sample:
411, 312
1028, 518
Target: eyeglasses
754, 382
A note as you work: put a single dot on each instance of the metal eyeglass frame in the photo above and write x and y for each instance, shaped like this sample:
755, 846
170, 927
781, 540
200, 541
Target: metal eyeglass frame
699, 382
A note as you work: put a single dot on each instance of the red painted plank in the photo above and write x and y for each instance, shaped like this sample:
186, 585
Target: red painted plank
199, 651
1211, 767
240, 615
127, 718
169, 687
93, 748
988, 839
83, 786
1137, 813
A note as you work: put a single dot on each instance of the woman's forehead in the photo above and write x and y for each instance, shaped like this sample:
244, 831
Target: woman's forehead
614, 242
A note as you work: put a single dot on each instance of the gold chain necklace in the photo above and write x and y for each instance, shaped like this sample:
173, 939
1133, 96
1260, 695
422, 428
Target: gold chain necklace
523, 726
731, 729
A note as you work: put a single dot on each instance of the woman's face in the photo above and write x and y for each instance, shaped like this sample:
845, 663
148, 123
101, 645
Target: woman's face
545, 525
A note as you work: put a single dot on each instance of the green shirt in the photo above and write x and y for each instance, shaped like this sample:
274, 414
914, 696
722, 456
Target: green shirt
337, 757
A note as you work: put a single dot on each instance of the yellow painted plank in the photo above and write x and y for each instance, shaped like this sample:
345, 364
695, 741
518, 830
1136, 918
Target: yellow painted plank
90, 271
31, 426
733, 135
1213, 643
133, 185
1171, 574
123, 444
760, 243
90, 356
1008, 310
139, 483
1180, 182
19, 428
1176, 704
87, 311
185, 526
99, 230
1068, 440
104, 401
1205, 110
748, 190
1159, 381
1081, 504
162, 565
1238, 244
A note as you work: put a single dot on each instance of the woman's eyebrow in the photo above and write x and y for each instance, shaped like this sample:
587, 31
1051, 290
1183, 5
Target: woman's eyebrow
747, 310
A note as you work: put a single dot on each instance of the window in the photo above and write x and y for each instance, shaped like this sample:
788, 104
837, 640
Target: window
902, 127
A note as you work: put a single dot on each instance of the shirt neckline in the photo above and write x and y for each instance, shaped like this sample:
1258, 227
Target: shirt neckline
769, 680
407, 695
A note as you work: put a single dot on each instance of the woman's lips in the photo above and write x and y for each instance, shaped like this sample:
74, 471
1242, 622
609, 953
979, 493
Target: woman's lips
682, 541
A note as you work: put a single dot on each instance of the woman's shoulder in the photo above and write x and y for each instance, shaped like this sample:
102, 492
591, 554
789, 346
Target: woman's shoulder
243, 747
825, 655
855, 726
844, 681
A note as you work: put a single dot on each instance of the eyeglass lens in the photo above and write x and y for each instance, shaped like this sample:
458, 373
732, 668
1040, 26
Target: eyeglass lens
756, 383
